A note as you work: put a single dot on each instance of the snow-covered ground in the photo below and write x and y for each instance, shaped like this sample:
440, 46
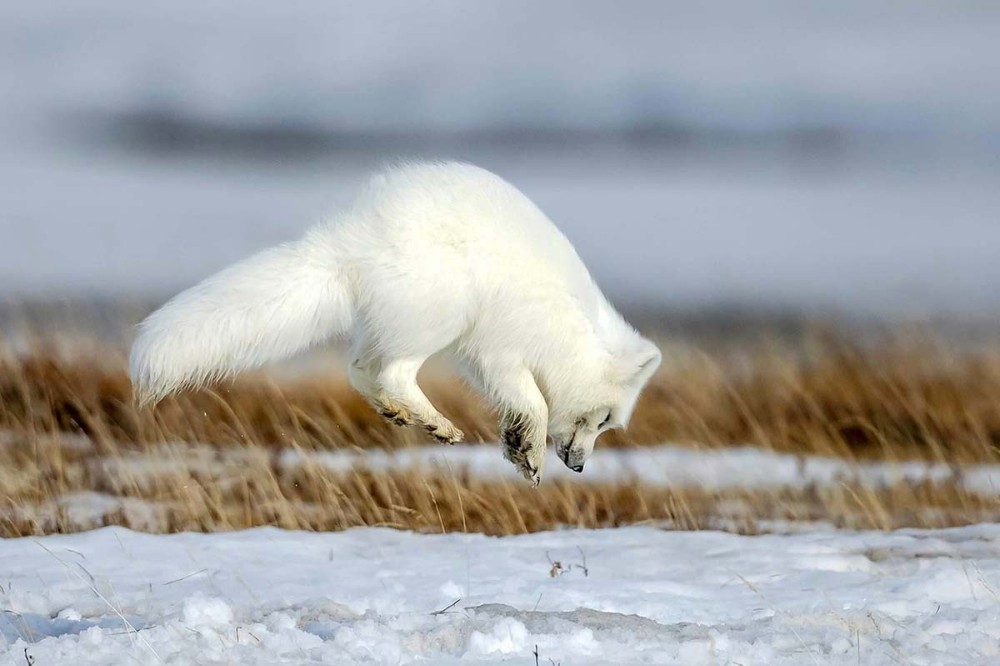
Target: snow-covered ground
798, 594
631, 595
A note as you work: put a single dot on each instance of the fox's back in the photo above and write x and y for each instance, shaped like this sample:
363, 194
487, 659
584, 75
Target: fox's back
462, 220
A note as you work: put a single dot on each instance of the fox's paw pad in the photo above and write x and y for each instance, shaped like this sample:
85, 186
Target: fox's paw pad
399, 416
514, 441
444, 432
528, 458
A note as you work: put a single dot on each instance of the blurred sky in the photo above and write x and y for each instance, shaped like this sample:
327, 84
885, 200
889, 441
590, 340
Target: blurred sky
781, 154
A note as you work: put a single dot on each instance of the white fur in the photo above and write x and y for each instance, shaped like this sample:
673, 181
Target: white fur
430, 257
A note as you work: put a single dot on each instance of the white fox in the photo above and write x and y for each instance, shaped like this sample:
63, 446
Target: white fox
430, 257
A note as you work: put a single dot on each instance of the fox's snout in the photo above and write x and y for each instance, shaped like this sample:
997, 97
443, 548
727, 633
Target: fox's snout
574, 459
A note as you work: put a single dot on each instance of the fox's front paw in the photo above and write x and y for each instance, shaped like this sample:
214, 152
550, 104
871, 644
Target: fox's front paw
527, 456
531, 467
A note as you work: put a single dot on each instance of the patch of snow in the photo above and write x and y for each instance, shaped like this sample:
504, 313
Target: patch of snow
84, 510
666, 465
145, 470
268, 596
984, 479
201, 611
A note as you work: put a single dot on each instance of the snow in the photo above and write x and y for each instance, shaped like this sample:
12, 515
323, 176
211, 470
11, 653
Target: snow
628, 595
665, 465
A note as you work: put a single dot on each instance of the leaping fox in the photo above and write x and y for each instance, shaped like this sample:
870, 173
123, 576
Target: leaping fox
430, 257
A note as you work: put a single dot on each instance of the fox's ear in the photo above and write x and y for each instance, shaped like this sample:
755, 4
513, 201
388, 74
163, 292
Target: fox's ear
639, 363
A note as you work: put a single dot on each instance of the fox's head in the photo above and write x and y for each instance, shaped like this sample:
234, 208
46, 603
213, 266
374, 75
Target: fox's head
574, 427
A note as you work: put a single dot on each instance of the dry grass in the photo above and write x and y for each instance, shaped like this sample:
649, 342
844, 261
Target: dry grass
824, 396
68, 422
204, 489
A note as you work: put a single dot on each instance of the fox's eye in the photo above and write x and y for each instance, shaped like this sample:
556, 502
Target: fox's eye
606, 420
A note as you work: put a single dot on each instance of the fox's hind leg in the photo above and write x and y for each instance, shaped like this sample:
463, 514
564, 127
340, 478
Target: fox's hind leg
399, 391
401, 323
364, 378
391, 387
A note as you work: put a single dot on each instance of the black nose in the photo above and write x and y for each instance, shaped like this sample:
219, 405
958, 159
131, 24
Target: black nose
577, 469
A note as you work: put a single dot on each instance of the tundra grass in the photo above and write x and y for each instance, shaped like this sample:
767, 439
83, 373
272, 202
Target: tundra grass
67, 418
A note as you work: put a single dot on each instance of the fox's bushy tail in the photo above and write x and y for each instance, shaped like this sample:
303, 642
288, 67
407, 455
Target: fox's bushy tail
267, 307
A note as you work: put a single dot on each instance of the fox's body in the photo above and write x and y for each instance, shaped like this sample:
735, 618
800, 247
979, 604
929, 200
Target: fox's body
430, 257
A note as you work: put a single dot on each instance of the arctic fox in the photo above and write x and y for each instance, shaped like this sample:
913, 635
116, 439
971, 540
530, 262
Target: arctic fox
430, 257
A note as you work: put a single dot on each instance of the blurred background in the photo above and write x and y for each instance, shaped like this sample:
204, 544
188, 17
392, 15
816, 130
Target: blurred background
772, 156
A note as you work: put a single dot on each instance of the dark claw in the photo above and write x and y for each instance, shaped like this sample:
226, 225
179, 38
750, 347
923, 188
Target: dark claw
577, 469
394, 417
